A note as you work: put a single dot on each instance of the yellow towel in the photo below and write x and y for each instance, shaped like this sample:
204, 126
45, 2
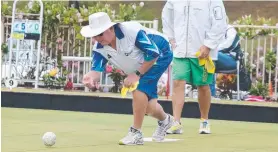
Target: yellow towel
130, 89
209, 65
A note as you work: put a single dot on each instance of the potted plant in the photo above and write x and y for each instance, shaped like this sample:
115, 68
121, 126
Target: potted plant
117, 77
227, 83
259, 89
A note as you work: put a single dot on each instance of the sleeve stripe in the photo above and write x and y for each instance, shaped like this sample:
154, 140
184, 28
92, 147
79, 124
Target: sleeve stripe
98, 62
147, 46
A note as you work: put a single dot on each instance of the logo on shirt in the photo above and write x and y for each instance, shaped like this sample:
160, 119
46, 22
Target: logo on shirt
109, 56
217, 11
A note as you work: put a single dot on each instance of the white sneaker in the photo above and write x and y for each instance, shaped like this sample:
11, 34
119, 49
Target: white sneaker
204, 127
160, 131
134, 137
176, 128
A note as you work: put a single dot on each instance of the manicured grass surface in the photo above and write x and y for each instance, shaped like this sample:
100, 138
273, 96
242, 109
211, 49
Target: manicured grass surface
22, 130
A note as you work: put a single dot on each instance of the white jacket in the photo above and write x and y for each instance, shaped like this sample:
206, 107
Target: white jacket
193, 23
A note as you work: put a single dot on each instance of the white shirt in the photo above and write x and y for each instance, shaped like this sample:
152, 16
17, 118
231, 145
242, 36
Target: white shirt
193, 23
135, 44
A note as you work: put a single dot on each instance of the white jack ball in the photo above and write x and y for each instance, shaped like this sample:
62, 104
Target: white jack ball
49, 139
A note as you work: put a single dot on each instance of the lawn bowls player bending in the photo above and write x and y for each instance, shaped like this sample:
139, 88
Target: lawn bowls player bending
141, 53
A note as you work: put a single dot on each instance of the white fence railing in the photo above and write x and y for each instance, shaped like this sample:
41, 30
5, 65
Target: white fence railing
256, 50
76, 54
77, 59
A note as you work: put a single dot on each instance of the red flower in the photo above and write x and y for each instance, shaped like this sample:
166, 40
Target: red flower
69, 86
109, 69
118, 71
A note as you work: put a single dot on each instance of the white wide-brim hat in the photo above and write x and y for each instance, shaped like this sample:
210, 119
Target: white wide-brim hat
98, 23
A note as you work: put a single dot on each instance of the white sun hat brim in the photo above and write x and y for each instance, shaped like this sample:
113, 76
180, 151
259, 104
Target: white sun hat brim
87, 31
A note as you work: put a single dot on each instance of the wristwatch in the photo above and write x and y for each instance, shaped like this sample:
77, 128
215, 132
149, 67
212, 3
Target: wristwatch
138, 73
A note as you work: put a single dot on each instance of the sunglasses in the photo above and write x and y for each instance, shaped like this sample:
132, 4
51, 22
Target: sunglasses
100, 34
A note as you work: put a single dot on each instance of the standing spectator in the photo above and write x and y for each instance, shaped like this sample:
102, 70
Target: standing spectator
193, 26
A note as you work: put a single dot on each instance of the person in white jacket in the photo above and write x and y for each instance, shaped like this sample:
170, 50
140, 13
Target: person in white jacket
192, 26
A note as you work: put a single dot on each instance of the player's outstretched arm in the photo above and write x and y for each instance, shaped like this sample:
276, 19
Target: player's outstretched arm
98, 65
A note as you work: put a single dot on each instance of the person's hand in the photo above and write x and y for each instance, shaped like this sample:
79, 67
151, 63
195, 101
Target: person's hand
173, 44
88, 80
204, 51
131, 79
